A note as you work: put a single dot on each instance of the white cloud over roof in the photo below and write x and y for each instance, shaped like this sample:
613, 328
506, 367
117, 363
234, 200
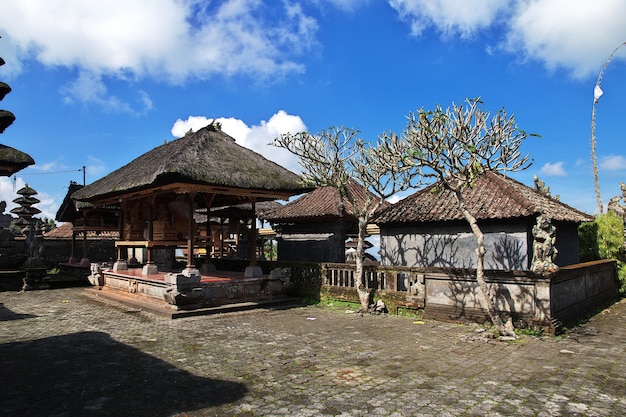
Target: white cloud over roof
255, 137
553, 169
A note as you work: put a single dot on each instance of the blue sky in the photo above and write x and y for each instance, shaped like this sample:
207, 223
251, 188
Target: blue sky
98, 83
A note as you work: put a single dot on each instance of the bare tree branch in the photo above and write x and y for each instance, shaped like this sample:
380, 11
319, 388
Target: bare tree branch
338, 157
453, 147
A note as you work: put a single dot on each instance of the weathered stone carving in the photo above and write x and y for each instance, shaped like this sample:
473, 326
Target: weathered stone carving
544, 249
543, 189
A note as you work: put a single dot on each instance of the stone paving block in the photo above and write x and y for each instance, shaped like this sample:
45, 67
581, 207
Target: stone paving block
305, 361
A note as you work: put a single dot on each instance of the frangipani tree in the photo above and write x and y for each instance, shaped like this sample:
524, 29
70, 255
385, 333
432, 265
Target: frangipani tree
337, 157
453, 146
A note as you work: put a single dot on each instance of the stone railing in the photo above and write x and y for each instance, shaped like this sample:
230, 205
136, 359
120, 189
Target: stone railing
539, 301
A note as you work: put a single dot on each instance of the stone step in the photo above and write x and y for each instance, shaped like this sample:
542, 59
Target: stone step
137, 303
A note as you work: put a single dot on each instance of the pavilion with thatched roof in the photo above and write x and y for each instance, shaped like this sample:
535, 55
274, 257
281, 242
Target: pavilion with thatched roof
84, 218
232, 228
160, 192
12, 160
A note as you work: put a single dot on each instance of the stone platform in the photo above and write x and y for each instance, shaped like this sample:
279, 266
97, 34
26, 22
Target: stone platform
177, 291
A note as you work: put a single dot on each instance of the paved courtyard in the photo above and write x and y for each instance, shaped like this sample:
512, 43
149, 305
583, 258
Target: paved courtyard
63, 353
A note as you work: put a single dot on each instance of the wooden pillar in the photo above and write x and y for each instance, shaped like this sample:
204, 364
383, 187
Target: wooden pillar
121, 264
253, 234
208, 244
237, 230
221, 237
84, 248
73, 243
150, 229
121, 229
150, 268
191, 233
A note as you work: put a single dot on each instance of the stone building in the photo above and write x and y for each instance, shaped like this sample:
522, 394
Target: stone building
314, 227
427, 229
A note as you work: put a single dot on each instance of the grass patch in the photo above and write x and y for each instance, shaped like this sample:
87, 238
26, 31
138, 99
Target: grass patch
529, 332
340, 304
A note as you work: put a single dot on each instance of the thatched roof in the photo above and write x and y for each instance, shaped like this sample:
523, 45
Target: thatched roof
12, 160
241, 211
493, 196
322, 204
4, 89
208, 157
67, 212
245, 209
6, 119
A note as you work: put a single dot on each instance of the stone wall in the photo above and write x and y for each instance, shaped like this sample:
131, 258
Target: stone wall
57, 251
536, 301
578, 289
312, 242
452, 245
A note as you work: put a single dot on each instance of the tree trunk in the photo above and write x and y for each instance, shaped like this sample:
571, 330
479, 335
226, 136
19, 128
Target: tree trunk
505, 329
359, 281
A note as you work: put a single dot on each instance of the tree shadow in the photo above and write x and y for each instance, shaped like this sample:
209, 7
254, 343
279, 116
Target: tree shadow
89, 373
8, 315
512, 298
509, 254
436, 250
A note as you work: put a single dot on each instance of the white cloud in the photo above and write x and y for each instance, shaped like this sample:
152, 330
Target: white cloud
577, 35
90, 87
613, 163
555, 170
582, 163
95, 167
47, 166
256, 137
449, 16
193, 123
345, 5
165, 39
400, 196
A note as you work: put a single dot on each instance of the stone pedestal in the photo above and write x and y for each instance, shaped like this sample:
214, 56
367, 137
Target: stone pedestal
36, 279
184, 288
120, 265
181, 280
190, 271
150, 269
253, 271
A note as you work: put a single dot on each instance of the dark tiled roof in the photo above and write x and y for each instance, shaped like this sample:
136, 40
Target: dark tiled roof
321, 203
64, 231
493, 196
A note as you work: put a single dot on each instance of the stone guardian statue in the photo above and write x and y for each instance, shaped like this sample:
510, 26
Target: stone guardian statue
544, 249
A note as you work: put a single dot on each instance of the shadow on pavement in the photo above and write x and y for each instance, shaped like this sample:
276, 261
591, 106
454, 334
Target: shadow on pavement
7, 315
89, 373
